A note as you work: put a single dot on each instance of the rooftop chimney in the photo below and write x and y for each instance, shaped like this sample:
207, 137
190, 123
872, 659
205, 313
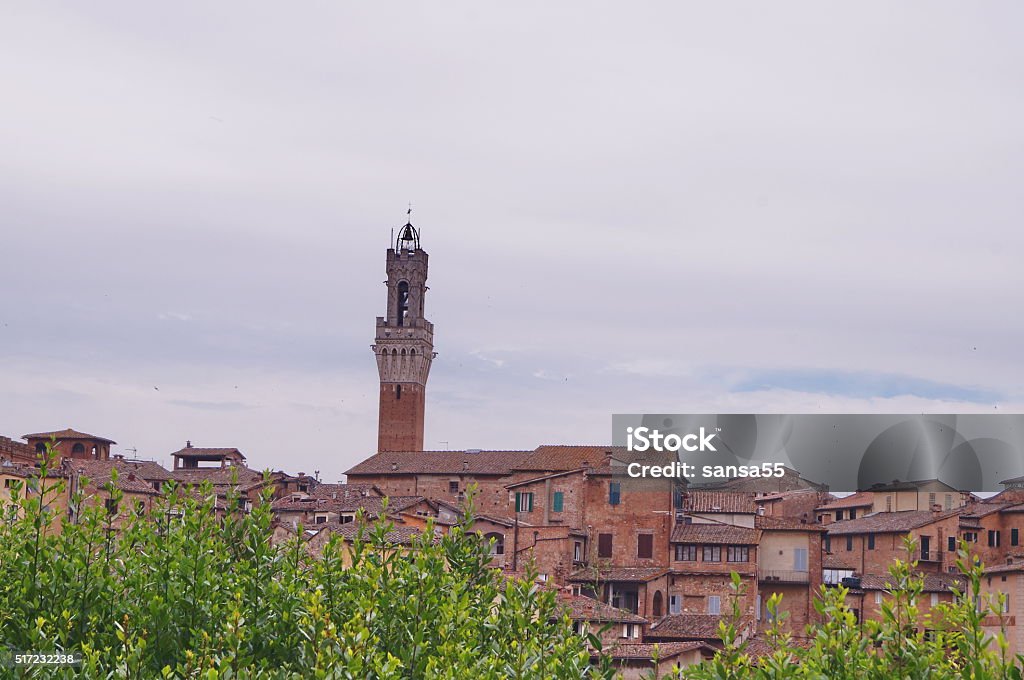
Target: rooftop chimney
188, 443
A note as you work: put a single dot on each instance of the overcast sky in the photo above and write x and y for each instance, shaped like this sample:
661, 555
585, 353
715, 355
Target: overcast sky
665, 207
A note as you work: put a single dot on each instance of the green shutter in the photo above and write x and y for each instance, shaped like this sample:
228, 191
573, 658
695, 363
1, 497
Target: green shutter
556, 502
529, 501
519, 501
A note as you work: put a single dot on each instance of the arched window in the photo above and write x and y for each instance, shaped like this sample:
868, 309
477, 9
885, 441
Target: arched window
657, 603
498, 547
403, 302
78, 449
40, 448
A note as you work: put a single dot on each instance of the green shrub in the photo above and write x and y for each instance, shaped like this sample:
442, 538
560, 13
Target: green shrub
197, 596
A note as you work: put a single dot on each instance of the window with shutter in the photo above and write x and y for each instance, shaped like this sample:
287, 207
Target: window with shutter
557, 501
604, 545
524, 501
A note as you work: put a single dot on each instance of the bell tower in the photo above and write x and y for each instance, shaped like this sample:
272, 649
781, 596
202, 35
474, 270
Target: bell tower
404, 346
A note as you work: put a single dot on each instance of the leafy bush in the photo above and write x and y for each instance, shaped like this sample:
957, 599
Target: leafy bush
191, 595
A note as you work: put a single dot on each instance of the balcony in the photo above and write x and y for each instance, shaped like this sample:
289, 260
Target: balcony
783, 576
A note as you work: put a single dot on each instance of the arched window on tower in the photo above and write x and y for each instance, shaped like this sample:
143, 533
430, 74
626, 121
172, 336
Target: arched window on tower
403, 302
78, 449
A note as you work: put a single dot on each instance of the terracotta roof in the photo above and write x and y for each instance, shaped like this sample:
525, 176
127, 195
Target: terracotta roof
911, 485
372, 506
1014, 495
199, 452
983, 509
861, 499
714, 534
503, 521
1005, 568
790, 481
767, 523
61, 435
888, 522
621, 458
645, 650
149, 470
328, 497
719, 501
498, 463
99, 473
688, 626
397, 535
583, 608
933, 583
628, 574
557, 457
552, 475
784, 495
26, 471
220, 476
837, 561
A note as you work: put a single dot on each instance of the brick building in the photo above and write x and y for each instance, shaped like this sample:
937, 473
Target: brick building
789, 563
70, 443
869, 544
851, 507
15, 452
96, 480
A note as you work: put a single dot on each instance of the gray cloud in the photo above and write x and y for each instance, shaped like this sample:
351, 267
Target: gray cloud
670, 207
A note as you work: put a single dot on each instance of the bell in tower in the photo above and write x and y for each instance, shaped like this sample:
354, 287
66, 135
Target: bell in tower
404, 346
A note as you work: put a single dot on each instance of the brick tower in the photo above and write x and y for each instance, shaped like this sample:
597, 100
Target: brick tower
404, 346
